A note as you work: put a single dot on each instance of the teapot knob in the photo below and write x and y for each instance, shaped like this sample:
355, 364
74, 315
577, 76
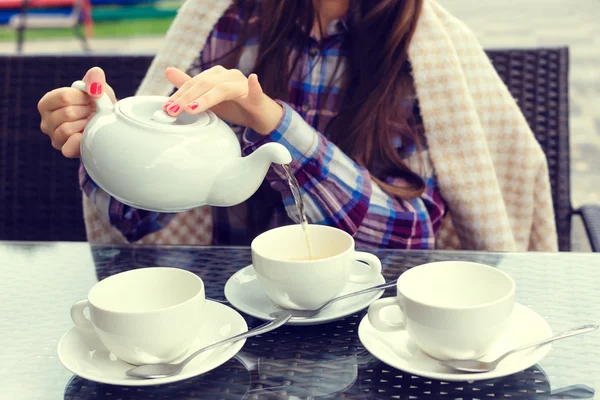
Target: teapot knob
163, 117
103, 103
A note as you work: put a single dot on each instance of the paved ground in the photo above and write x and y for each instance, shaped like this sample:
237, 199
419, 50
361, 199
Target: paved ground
136, 45
498, 23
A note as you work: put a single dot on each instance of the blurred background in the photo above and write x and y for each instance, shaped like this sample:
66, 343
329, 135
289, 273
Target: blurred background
114, 26
137, 26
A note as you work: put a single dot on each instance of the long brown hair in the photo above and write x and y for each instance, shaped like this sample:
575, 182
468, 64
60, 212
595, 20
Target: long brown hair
375, 79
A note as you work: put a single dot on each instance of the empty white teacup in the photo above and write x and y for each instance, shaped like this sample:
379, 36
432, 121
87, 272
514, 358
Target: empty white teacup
146, 315
293, 281
452, 310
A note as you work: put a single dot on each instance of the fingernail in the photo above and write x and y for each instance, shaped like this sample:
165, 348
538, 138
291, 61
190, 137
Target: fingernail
95, 88
193, 106
167, 104
174, 108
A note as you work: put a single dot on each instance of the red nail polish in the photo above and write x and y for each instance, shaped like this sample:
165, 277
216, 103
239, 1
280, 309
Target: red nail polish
193, 106
167, 104
96, 88
174, 108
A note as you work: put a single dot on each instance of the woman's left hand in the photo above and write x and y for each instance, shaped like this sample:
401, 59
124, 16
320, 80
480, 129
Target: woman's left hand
228, 93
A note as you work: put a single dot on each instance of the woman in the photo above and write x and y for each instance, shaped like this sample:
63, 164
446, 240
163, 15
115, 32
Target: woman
375, 101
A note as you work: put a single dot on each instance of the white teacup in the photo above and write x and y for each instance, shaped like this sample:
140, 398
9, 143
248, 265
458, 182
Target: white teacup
452, 310
292, 281
146, 315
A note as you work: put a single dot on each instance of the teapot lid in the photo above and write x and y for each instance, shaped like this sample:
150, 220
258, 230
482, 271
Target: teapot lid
148, 110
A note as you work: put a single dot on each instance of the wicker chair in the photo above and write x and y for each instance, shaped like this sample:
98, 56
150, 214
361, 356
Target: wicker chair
39, 192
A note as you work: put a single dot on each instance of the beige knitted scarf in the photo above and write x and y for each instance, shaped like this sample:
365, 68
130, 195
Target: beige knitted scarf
490, 168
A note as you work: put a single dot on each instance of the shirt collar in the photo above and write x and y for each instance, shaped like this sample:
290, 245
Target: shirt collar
336, 27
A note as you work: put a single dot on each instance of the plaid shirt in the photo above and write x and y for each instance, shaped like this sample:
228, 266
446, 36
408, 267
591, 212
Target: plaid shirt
336, 191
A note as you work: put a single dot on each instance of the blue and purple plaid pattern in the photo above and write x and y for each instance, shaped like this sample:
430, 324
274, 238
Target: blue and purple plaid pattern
336, 191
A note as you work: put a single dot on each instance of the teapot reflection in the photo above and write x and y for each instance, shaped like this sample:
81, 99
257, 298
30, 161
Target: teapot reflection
322, 377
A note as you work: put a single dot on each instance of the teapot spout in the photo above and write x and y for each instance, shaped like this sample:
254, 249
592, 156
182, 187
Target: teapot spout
276, 153
241, 178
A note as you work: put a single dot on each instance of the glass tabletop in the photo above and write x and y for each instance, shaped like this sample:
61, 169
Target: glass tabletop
40, 282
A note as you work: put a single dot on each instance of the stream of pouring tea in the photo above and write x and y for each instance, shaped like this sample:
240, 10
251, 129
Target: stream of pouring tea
295, 188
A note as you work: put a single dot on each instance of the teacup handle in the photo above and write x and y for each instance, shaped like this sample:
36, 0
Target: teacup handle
375, 315
78, 316
374, 265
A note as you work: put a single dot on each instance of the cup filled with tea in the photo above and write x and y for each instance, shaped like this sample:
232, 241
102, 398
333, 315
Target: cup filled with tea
146, 315
453, 310
298, 276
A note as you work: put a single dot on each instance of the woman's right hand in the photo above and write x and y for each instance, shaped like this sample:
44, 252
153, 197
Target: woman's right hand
66, 111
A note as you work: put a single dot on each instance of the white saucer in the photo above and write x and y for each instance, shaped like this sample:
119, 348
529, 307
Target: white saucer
399, 351
84, 355
244, 293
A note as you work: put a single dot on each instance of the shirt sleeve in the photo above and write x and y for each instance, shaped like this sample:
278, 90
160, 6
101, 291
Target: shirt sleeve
338, 192
131, 222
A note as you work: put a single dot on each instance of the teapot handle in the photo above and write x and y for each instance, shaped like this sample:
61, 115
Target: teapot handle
103, 103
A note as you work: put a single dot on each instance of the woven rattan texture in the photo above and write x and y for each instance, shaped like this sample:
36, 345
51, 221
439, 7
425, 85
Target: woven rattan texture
39, 189
591, 219
538, 80
39, 193
327, 360
42, 281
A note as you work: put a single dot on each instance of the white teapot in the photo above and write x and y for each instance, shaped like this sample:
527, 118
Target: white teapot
150, 160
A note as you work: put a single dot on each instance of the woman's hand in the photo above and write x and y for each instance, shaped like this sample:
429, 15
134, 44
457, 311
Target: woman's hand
228, 93
66, 111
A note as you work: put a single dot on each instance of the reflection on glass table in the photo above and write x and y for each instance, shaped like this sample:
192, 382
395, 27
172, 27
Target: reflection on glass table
42, 281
